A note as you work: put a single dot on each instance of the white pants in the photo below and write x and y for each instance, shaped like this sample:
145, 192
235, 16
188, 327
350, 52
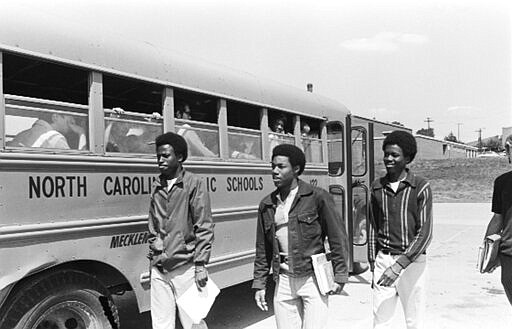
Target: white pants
299, 304
165, 288
409, 287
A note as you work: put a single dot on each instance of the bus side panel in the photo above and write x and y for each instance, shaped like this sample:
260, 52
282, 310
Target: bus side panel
53, 213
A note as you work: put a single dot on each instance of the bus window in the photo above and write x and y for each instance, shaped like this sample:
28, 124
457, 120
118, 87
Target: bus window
132, 115
197, 121
360, 214
281, 126
335, 148
311, 140
358, 151
45, 104
131, 132
338, 195
244, 135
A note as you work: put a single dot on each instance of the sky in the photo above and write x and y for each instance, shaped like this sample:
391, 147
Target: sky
405, 61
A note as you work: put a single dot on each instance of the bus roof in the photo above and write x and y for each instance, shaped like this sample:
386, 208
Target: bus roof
44, 36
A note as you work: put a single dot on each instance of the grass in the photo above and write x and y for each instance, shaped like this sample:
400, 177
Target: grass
459, 180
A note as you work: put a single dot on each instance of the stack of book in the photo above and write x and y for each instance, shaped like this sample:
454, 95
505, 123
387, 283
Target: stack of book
324, 273
488, 253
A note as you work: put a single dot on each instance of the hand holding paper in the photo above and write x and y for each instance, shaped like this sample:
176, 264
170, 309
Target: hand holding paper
195, 304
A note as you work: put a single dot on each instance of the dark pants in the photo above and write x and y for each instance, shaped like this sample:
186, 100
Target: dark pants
506, 275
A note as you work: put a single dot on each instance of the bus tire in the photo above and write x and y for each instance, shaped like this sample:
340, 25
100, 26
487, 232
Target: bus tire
63, 299
359, 268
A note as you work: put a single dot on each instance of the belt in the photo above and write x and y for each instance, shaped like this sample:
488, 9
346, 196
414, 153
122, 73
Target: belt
283, 259
390, 252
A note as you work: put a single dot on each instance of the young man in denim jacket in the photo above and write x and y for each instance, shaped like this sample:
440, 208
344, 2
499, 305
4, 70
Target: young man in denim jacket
293, 223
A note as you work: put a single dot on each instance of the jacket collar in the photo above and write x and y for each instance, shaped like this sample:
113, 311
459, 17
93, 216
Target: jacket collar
410, 179
304, 189
162, 181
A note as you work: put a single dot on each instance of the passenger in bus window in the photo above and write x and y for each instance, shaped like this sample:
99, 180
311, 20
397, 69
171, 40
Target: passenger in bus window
112, 131
243, 149
277, 127
312, 148
306, 142
400, 232
293, 224
195, 143
49, 132
130, 137
305, 130
181, 229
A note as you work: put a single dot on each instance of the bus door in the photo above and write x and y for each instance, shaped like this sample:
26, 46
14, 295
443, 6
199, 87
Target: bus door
361, 155
337, 167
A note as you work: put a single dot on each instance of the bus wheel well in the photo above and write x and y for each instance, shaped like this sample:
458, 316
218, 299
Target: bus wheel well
56, 296
106, 274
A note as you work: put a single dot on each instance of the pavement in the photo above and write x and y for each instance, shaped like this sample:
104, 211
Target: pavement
458, 295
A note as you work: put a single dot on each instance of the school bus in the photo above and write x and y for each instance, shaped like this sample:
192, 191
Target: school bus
78, 112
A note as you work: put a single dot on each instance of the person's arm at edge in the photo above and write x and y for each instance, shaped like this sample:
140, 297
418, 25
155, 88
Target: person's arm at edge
372, 233
261, 264
496, 223
203, 230
338, 238
261, 260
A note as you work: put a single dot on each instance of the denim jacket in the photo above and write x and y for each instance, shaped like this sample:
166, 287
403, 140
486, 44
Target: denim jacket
311, 219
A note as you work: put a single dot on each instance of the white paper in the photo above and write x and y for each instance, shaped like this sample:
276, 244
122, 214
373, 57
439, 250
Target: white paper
194, 304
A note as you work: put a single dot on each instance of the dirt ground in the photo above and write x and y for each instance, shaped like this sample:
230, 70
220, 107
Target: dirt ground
459, 180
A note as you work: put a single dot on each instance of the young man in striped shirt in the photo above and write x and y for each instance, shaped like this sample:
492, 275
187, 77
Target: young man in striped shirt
400, 231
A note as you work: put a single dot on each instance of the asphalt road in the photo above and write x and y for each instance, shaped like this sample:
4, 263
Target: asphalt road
458, 296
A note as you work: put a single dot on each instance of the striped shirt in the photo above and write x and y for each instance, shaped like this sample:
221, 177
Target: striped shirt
401, 221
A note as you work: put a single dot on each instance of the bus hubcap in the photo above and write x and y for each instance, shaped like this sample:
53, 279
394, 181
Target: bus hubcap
67, 315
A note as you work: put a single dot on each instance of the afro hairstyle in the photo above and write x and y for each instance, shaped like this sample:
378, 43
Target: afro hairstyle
294, 154
177, 142
405, 140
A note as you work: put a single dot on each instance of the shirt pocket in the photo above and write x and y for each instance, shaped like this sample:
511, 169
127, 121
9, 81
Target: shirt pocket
267, 224
309, 224
268, 221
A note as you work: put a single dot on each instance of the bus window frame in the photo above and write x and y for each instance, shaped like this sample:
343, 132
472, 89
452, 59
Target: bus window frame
320, 140
81, 110
332, 191
251, 132
363, 148
193, 124
342, 140
112, 117
367, 213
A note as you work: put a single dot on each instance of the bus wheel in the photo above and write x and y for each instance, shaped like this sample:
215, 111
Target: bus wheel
60, 300
359, 268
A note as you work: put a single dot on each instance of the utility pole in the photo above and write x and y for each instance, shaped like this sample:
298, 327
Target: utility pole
458, 130
428, 121
479, 131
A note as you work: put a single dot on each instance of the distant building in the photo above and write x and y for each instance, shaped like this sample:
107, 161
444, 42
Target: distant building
433, 148
428, 147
